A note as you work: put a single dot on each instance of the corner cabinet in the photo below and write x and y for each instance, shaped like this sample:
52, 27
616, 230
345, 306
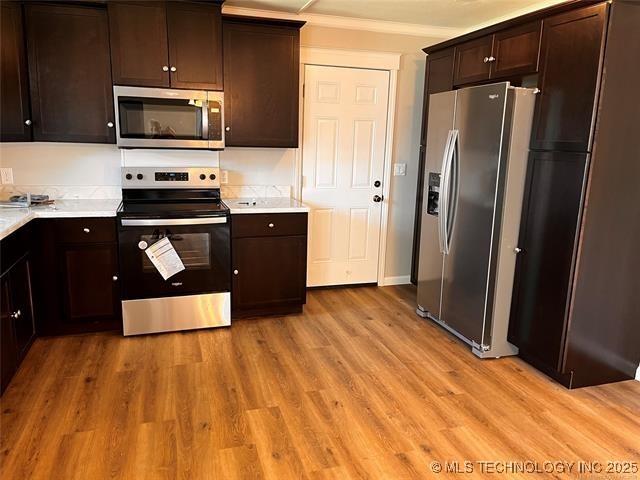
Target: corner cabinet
261, 77
269, 263
166, 44
15, 113
70, 73
17, 327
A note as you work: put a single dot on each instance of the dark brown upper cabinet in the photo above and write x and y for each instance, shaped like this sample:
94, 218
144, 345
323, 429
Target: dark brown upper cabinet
70, 74
516, 51
139, 48
571, 59
509, 52
472, 61
261, 77
195, 45
15, 115
166, 44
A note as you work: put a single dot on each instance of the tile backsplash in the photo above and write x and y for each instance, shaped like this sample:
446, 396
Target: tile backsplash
64, 192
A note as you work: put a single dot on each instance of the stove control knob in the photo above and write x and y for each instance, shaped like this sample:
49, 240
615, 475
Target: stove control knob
212, 176
203, 176
139, 176
128, 176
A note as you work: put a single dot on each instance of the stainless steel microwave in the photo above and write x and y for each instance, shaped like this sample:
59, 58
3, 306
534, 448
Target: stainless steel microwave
168, 118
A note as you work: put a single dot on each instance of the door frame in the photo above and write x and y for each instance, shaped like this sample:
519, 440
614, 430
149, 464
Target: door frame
365, 59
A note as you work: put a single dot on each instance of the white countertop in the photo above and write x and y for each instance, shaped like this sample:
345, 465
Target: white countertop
12, 219
265, 205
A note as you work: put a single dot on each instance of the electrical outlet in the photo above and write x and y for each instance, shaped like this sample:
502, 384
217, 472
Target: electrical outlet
399, 169
7, 176
224, 177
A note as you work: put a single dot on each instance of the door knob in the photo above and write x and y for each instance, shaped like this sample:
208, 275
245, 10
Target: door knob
114, 278
173, 69
486, 60
165, 68
110, 124
235, 272
377, 198
227, 129
491, 59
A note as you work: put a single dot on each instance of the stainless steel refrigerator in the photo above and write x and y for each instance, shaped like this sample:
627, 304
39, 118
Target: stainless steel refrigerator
477, 148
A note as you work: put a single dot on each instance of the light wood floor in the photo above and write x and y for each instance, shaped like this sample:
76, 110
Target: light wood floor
357, 386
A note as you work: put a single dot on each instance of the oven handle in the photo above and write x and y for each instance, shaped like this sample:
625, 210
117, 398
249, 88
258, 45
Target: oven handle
159, 222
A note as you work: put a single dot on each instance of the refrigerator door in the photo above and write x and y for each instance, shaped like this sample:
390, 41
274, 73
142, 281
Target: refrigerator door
440, 121
473, 192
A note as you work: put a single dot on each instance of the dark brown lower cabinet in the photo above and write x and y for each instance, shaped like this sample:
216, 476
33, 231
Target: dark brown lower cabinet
269, 264
17, 328
544, 267
79, 289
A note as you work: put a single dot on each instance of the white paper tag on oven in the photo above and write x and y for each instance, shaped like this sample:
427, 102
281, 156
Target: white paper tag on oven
165, 258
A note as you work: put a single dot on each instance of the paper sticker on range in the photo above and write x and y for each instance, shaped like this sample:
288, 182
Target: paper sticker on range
165, 258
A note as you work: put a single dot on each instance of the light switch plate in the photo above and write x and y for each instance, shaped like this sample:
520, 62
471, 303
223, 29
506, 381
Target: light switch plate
399, 169
7, 176
224, 177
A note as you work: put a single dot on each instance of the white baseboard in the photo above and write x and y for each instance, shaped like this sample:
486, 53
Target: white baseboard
401, 280
638, 373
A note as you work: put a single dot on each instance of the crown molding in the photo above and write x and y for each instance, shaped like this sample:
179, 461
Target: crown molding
350, 23
517, 13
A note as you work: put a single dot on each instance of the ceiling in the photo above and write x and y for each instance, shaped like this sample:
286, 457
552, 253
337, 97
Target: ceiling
458, 14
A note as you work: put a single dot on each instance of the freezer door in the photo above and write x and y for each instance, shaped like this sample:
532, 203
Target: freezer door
440, 122
473, 188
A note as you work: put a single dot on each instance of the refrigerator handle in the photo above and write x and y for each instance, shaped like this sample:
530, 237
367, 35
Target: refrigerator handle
453, 181
442, 201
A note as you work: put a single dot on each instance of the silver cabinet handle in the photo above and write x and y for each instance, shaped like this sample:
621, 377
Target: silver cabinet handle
86, 230
235, 272
271, 225
227, 129
173, 69
517, 250
110, 124
491, 59
114, 278
536, 91
27, 122
165, 68
17, 314
486, 60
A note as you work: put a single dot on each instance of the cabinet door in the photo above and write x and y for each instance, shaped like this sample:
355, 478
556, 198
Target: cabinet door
139, 49
89, 287
515, 50
438, 78
572, 45
15, 115
70, 74
550, 216
472, 61
8, 352
261, 77
271, 272
22, 304
195, 45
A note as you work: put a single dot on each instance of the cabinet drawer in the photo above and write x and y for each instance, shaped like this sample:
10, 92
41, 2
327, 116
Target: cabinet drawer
85, 230
268, 224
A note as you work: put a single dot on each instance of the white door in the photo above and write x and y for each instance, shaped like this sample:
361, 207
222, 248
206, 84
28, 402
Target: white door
345, 124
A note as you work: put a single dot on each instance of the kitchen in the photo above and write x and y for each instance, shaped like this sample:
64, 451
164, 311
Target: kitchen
190, 148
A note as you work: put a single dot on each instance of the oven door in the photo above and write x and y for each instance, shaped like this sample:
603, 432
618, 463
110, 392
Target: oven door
203, 245
161, 118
